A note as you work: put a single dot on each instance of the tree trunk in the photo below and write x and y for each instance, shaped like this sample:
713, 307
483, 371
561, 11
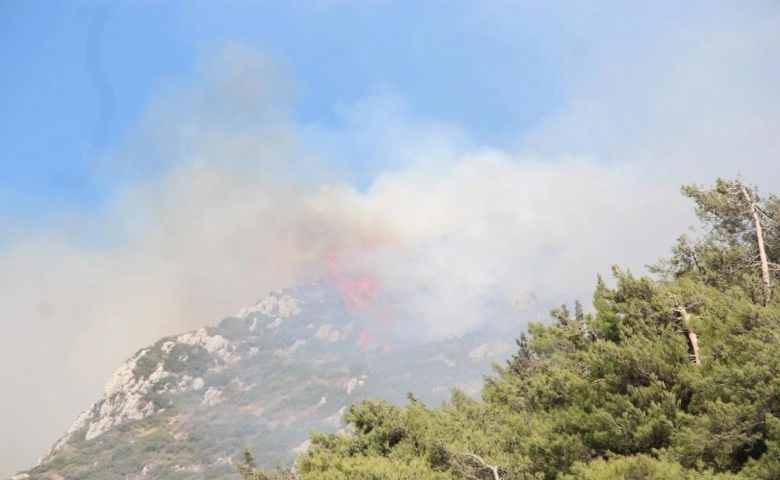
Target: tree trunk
761, 251
693, 339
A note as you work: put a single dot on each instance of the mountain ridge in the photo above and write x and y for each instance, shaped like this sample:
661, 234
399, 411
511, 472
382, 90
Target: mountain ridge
186, 406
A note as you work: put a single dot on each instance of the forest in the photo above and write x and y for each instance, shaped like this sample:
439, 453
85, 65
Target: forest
671, 376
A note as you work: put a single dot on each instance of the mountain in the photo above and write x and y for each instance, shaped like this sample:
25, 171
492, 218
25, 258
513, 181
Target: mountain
188, 405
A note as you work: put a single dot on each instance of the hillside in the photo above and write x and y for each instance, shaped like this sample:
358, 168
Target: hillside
187, 406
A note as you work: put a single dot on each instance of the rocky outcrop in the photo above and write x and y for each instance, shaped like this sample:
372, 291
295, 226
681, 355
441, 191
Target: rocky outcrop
126, 396
276, 305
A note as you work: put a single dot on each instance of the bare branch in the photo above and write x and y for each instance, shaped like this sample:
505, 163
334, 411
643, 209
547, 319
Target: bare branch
476, 463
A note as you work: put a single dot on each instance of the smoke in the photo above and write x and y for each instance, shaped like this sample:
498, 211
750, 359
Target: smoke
222, 196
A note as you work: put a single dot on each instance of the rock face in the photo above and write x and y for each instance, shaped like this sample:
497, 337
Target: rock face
187, 406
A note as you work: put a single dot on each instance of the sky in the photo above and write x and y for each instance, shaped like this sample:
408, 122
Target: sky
163, 164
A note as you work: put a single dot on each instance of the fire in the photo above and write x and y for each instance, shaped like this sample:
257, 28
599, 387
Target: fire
359, 293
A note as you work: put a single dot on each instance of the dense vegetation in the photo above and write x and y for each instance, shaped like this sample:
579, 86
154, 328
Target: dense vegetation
672, 377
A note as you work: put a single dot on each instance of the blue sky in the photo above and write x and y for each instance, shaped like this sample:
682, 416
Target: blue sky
521, 144
449, 60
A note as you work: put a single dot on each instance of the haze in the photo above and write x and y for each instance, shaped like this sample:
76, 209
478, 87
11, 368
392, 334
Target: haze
164, 165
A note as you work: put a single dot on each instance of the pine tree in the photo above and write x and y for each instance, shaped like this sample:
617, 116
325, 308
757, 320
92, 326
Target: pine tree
741, 243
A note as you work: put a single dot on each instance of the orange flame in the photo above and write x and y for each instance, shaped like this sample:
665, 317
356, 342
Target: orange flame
359, 293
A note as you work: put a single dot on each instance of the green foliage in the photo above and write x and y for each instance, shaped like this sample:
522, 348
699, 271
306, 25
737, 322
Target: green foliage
193, 359
232, 328
249, 471
147, 364
638, 467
